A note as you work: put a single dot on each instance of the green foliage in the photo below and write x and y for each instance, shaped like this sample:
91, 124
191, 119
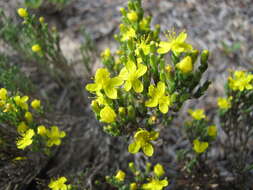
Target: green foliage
141, 80
236, 119
12, 78
21, 126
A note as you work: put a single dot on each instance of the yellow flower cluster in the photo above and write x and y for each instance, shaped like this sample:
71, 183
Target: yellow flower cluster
136, 85
17, 111
59, 184
52, 136
152, 182
199, 130
240, 81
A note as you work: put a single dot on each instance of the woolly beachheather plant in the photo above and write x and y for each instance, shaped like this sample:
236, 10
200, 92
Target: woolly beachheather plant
137, 88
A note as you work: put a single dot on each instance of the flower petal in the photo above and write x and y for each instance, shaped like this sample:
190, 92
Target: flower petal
93, 87
134, 147
148, 149
153, 135
161, 87
153, 102
111, 92
138, 86
163, 108
128, 85
142, 69
124, 73
164, 47
131, 67
181, 37
116, 81
101, 75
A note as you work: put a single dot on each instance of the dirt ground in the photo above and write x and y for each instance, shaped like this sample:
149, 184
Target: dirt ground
209, 23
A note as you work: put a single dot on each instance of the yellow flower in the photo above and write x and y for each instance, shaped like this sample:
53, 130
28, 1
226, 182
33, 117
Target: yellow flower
142, 140
158, 97
144, 46
224, 103
103, 81
28, 117
212, 131
128, 34
107, 115
22, 12
197, 114
26, 139
22, 127
21, 101
240, 81
185, 65
3, 94
42, 19
133, 186
131, 75
199, 146
58, 184
168, 68
36, 48
41, 130
106, 53
175, 44
120, 176
132, 16
35, 104
155, 184
158, 170
54, 136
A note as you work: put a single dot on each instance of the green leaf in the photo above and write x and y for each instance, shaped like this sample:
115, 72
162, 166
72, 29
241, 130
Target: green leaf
33, 3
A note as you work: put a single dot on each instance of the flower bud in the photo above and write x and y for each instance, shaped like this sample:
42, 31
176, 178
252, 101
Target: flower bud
132, 16
152, 120
131, 112
35, 104
120, 176
42, 19
122, 111
158, 170
36, 48
204, 56
28, 117
133, 186
185, 65
148, 166
22, 12
131, 166
123, 11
